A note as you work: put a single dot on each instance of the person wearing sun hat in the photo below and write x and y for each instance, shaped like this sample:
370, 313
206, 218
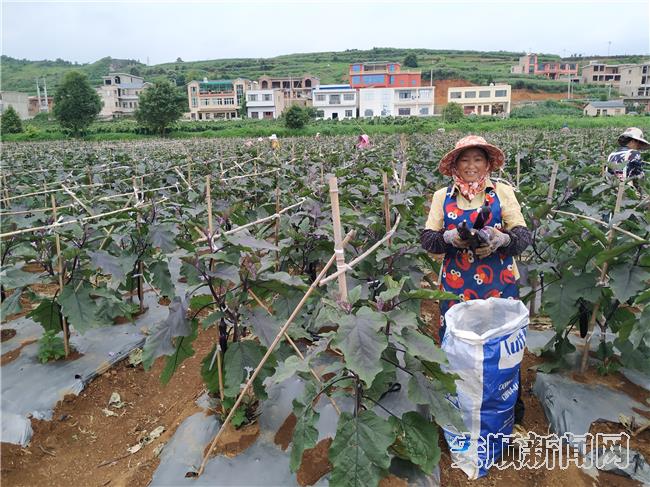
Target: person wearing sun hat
626, 162
489, 270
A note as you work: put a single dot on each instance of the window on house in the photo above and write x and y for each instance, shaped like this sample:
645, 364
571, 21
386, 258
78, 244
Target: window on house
255, 115
368, 113
195, 102
604, 112
404, 111
470, 94
107, 81
348, 97
252, 97
643, 79
117, 104
228, 101
320, 97
348, 113
404, 95
413, 82
268, 97
268, 114
425, 94
392, 80
484, 94
500, 92
455, 94
391, 67
335, 99
356, 68
356, 80
486, 108
424, 111
193, 89
373, 78
402, 82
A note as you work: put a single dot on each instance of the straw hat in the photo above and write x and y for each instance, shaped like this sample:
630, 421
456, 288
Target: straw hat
496, 157
636, 134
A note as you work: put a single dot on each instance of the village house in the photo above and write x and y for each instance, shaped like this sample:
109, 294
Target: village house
604, 108
482, 100
396, 102
217, 99
382, 75
635, 80
530, 64
120, 93
267, 104
335, 102
296, 90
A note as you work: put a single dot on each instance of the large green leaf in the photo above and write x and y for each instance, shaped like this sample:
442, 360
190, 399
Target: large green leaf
161, 277
183, 351
422, 390
266, 326
609, 254
117, 267
418, 441
47, 315
162, 236
305, 433
292, 365
11, 305
359, 452
241, 240
627, 280
160, 341
79, 308
240, 360
12, 278
360, 340
209, 371
436, 294
561, 297
421, 346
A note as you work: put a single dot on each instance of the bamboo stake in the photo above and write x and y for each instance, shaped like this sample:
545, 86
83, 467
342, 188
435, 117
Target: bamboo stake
85, 219
551, 185
208, 197
603, 274
295, 348
349, 266
596, 220
386, 204
268, 353
277, 227
59, 265
338, 247
518, 160
261, 220
251, 174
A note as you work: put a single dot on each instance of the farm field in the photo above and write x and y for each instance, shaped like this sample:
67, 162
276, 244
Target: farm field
166, 270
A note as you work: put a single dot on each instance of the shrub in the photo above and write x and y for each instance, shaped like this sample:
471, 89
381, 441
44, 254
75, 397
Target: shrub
452, 113
11, 123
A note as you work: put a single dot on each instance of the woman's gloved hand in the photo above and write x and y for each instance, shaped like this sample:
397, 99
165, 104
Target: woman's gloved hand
493, 240
451, 237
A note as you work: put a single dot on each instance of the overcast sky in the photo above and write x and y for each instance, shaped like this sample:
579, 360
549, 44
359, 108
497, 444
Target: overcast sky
84, 31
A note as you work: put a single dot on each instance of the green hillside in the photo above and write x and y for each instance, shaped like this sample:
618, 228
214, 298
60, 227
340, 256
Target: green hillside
330, 67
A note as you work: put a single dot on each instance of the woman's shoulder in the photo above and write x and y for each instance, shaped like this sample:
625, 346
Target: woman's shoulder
502, 186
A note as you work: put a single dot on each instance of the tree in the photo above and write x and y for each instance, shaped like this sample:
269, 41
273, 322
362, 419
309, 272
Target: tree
243, 110
452, 113
411, 61
159, 106
11, 123
296, 117
76, 103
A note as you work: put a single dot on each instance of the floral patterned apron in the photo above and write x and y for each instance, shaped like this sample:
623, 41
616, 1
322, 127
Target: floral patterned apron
464, 273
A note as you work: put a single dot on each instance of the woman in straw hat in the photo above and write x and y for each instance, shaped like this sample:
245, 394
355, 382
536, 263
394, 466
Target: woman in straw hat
626, 162
488, 270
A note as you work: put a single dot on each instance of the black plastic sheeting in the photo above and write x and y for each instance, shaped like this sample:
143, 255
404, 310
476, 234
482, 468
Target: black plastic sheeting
31, 389
264, 463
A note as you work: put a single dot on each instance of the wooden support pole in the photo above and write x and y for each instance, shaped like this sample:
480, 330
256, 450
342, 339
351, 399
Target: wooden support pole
59, 265
277, 226
268, 353
295, 348
338, 247
208, 199
551, 184
386, 204
518, 176
222, 394
603, 276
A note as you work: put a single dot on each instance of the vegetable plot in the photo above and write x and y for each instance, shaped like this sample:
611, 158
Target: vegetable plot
260, 232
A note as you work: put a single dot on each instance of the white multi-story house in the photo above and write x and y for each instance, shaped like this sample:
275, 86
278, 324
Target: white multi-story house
335, 101
482, 100
396, 102
120, 94
414, 102
265, 103
218, 99
635, 80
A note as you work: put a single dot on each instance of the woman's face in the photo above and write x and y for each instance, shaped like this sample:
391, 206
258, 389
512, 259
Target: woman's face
472, 165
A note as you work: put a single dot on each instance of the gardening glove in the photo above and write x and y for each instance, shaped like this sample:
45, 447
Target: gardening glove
493, 240
451, 237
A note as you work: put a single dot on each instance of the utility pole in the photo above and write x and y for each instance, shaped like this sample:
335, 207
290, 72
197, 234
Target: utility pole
609, 44
46, 108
